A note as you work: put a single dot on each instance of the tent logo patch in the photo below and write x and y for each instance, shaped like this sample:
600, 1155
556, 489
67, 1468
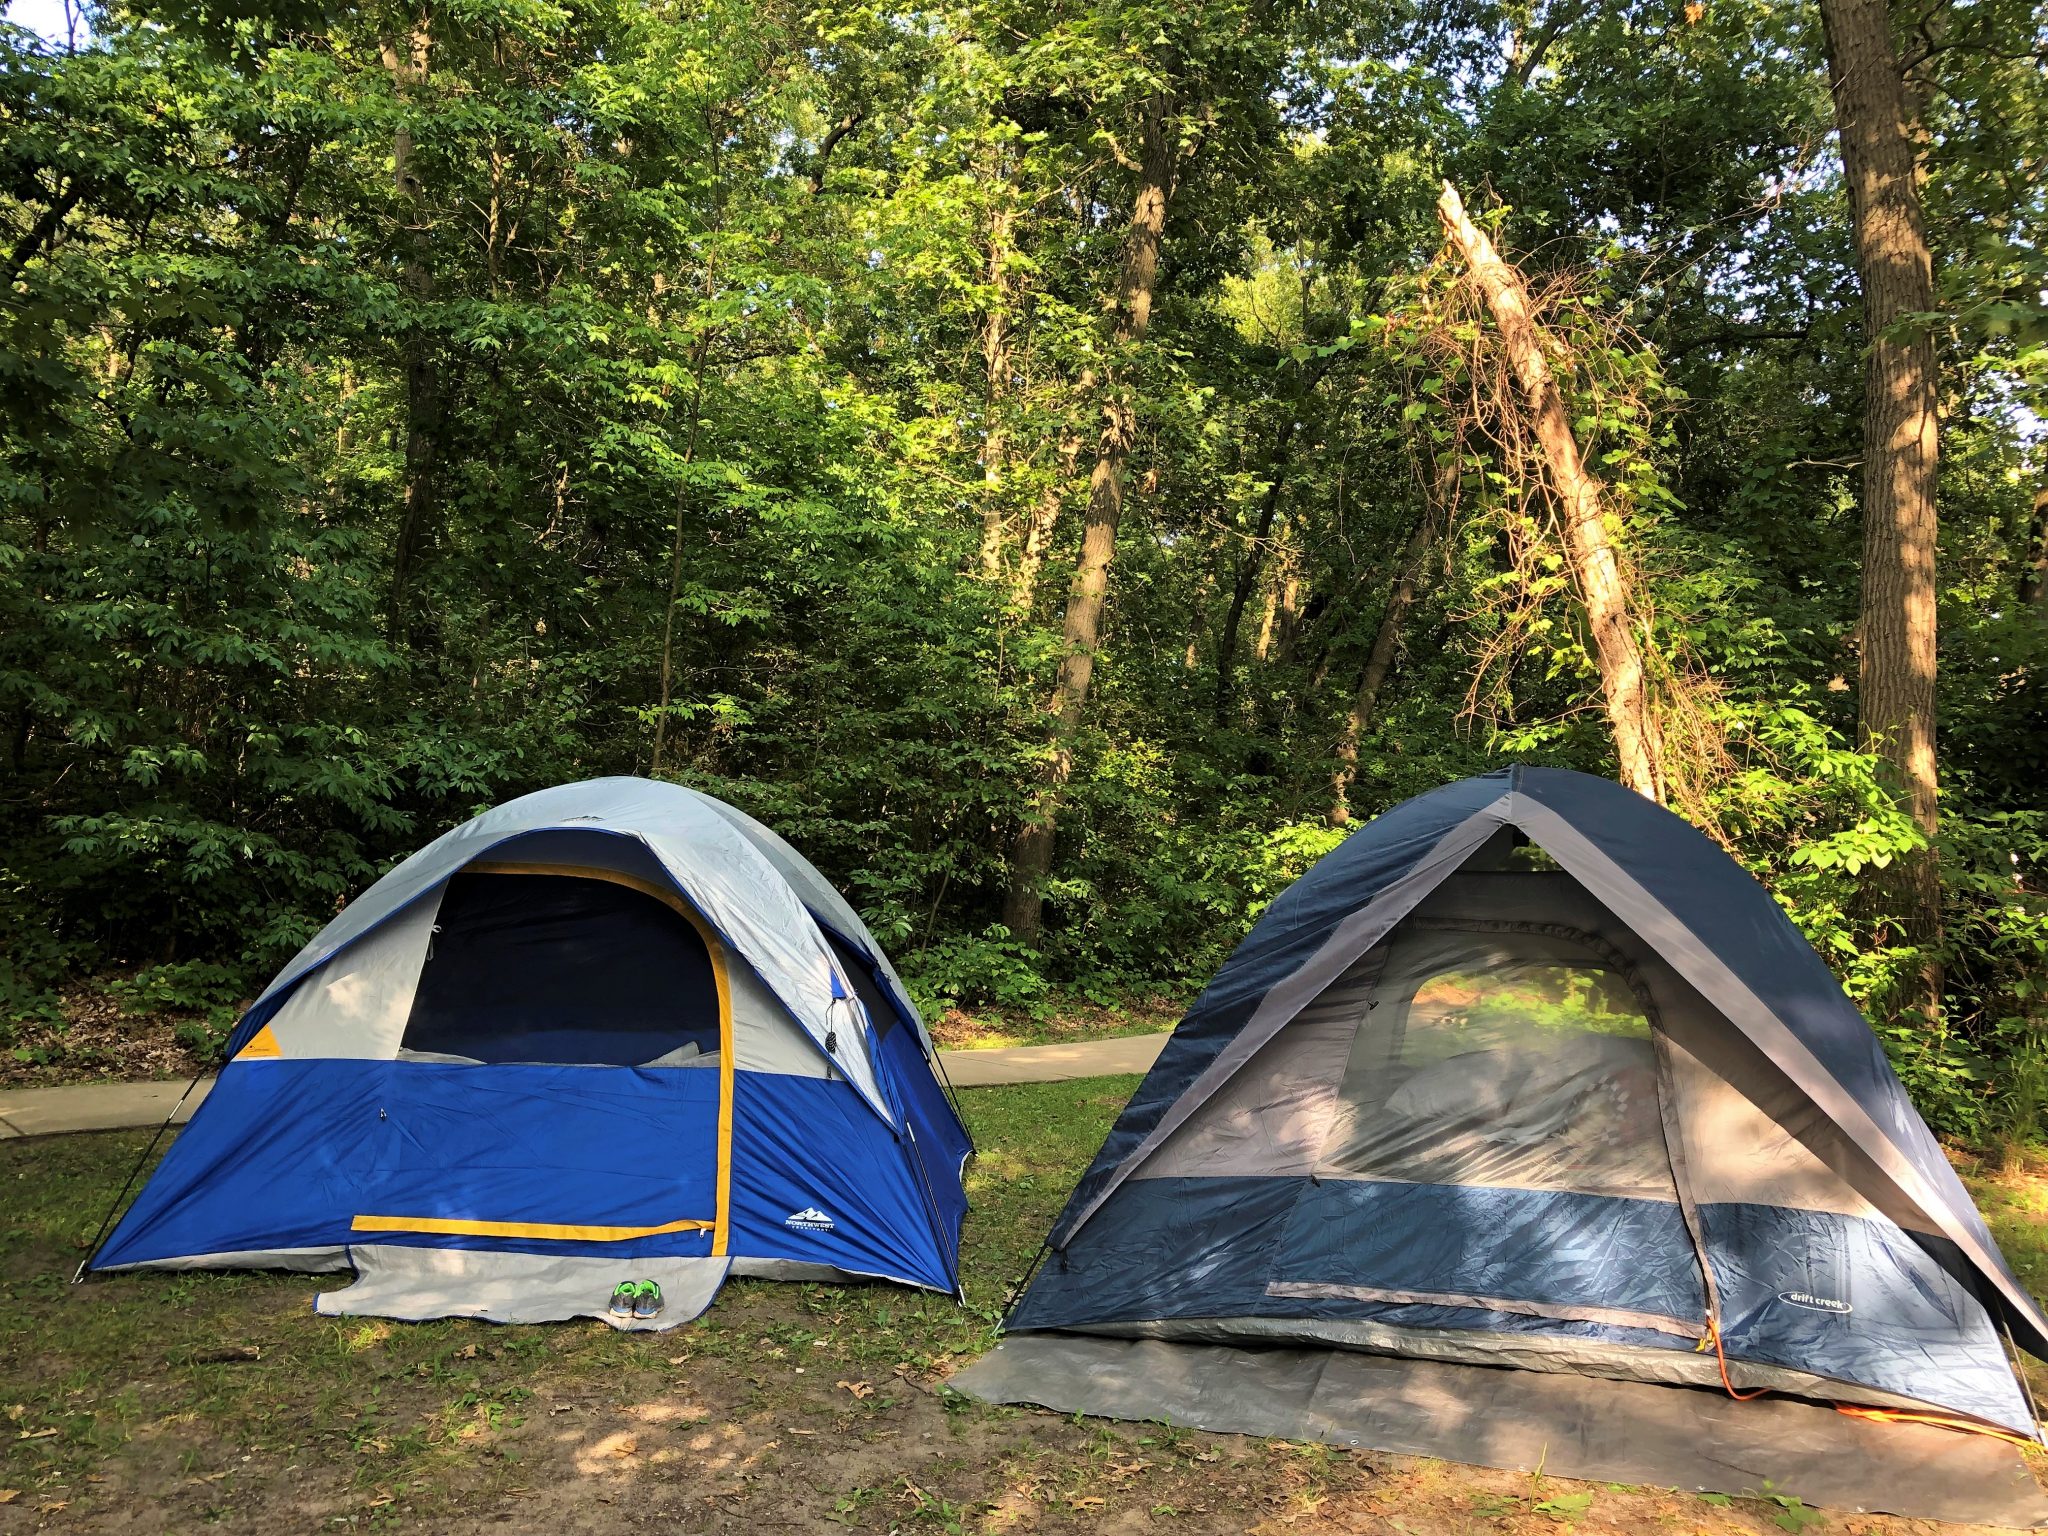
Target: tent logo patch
809, 1219
1815, 1303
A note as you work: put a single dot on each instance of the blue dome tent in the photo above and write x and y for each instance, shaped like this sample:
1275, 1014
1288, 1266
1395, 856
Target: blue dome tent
612, 1030
1528, 1073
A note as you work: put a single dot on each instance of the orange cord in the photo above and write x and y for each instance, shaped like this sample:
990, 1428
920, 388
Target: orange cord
1874, 1415
1899, 1416
1714, 1333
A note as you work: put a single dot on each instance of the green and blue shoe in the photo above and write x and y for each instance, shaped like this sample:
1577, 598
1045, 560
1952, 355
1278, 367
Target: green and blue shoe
646, 1300
624, 1295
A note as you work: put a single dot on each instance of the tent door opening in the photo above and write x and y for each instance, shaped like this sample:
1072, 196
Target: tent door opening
566, 966
1498, 1137
545, 972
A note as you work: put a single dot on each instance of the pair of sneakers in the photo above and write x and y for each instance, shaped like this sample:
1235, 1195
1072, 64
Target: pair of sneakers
636, 1298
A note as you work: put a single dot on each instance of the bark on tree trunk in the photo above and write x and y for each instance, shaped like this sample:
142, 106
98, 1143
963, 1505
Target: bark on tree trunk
1876, 123
1578, 495
1378, 663
995, 359
2034, 572
425, 388
1031, 854
1278, 647
1248, 570
1045, 516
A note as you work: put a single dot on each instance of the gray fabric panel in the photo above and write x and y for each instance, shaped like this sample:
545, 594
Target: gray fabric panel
1630, 1432
413, 1284
1351, 939
717, 864
1735, 1153
822, 897
356, 1004
1274, 1119
793, 1269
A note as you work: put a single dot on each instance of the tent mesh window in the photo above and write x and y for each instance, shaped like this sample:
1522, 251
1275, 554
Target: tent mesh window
1502, 1054
561, 969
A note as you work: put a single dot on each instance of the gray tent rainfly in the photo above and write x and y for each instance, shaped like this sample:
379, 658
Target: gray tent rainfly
1529, 1072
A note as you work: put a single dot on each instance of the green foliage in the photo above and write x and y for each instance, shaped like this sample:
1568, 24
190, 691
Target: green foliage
378, 447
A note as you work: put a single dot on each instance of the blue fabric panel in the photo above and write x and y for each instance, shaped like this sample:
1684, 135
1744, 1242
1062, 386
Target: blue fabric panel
810, 1145
619, 1147
1208, 1248
1548, 1247
1165, 1248
916, 1078
1293, 928
1856, 1300
285, 1154
277, 1157
941, 1140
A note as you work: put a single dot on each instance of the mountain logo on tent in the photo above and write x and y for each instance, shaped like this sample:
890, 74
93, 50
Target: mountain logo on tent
809, 1219
1815, 1303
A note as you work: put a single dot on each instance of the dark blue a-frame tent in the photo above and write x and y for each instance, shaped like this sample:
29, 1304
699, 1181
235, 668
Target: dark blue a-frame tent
1599, 1109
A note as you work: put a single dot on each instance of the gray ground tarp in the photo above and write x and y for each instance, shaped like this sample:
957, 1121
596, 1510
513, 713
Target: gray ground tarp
413, 1284
1570, 1426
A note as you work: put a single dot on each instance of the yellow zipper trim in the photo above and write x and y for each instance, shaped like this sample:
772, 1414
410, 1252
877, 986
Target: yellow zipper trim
550, 1231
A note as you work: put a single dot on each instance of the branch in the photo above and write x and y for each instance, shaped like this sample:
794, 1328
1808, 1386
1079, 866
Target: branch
821, 162
42, 231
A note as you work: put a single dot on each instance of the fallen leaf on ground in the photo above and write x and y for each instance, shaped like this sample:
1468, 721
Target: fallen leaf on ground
857, 1388
35, 1434
9, 1495
626, 1446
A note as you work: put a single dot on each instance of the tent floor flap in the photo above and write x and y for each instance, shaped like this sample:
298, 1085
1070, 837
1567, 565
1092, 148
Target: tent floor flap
415, 1284
1519, 1420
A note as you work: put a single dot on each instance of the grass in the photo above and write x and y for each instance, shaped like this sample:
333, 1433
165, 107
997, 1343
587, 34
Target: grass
188, 1401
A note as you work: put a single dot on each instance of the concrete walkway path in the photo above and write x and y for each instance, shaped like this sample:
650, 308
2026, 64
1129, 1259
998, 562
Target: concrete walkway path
124, 1106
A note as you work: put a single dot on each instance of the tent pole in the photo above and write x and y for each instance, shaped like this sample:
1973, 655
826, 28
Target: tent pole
107, 1220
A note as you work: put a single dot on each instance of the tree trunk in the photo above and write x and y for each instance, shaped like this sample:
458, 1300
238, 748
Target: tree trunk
2034, 571
995, 360
1278, 647
1248, 571
1875, 121
1578, 495
1045, 516
1031, 854
1378, 663
425, 392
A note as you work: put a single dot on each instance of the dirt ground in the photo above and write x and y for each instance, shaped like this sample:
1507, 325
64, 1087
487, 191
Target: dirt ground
184, 1402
